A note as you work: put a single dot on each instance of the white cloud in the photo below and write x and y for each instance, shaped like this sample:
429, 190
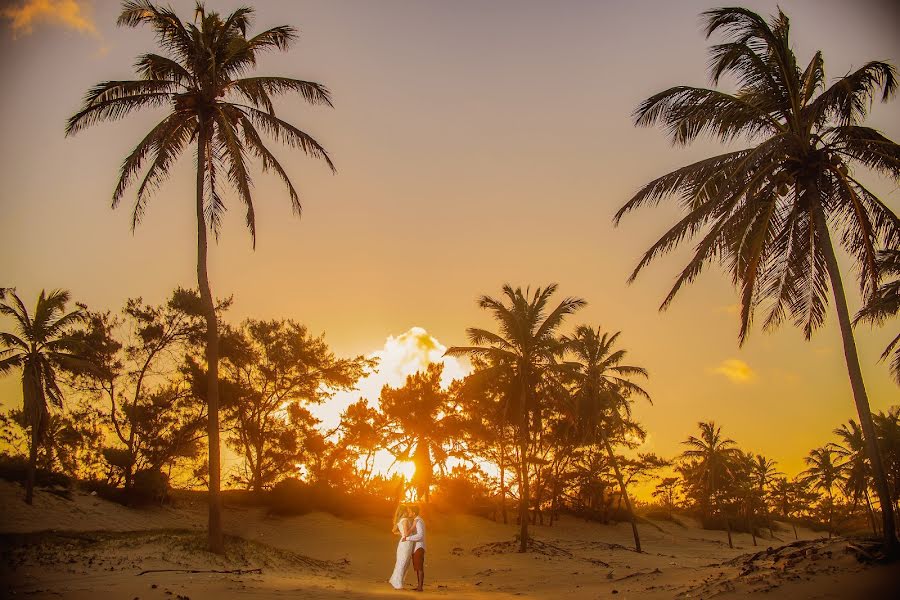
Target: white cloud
736, 370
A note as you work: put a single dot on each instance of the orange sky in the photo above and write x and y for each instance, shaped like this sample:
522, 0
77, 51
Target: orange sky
476, 144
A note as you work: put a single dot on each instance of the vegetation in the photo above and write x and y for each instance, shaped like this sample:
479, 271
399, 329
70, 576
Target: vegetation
201, 80
767, 212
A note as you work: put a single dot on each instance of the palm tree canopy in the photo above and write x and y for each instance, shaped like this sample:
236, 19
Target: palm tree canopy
526, 344
825, 470
756, 209
201, 78
603, 387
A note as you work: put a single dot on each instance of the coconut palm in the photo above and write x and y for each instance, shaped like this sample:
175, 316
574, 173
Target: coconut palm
42, 344
602, 394
527, 347
885, 303
768, 212
858, 475
763, 473
785, 496
825, 472
201, 81
709, 467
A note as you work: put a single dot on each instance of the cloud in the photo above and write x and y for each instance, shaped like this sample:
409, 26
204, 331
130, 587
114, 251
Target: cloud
736, 370
23, 16
401, 356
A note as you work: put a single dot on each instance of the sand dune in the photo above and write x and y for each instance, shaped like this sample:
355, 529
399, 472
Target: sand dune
86, 547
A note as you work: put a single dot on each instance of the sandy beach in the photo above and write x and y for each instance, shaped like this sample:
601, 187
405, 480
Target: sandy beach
85, 547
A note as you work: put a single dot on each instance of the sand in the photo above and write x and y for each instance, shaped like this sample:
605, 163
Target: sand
85, 547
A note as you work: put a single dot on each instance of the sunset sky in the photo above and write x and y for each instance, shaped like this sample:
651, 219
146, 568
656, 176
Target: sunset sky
477, 143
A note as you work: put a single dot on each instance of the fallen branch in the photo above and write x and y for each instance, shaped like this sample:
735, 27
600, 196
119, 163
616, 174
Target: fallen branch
231, 572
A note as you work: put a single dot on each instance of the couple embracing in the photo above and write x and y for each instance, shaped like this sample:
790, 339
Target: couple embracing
411, 548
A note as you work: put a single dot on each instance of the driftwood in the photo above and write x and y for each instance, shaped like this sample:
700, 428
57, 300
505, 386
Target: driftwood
230, 572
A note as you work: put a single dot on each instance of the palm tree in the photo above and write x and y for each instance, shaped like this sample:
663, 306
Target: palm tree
858, 475
767, 212
763, 473
603, 395
201, 79
785, 496
528, 349
41, 345
712, 459
885, 303
823, 474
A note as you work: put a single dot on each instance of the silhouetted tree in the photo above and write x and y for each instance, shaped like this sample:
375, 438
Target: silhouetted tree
201, 79
527, 347
41, 346
421, 424
764, 212
275, 369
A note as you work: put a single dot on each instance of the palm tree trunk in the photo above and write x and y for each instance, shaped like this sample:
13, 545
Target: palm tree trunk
728, 528
856, 383
32, 465
524, 492
615, 464
871, 512
503, 484
216, 540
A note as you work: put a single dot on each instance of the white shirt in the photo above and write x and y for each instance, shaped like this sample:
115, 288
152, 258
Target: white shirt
419, 536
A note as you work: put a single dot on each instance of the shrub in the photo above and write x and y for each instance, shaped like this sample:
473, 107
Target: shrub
295, 497
15, 468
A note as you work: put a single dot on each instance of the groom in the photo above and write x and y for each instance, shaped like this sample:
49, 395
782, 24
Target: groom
418, 557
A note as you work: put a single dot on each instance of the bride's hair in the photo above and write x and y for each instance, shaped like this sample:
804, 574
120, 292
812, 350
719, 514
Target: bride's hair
400, 512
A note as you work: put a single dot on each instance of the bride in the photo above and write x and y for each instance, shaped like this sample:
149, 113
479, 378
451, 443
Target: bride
402, 527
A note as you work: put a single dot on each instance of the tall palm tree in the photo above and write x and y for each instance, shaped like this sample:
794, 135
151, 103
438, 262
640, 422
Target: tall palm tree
42, 344
200, 79
712, 458
824, 473
603, 393
527, 347
767, 212
885, 303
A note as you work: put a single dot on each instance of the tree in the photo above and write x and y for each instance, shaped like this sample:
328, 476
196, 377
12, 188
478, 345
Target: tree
786, 496
484, 402
602, 396
858, 474
762, 474
363, 431
202, 80
41, 346
767, 212
824, 474
708, 468
667, 491
885, 303
135, 370
527, 347
421, 424
275, 369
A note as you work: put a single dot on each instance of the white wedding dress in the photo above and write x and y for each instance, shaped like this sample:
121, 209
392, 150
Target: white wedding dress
404, 557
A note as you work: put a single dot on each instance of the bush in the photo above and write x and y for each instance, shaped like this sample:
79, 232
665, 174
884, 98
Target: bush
462, 493
15, 468
295, 497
